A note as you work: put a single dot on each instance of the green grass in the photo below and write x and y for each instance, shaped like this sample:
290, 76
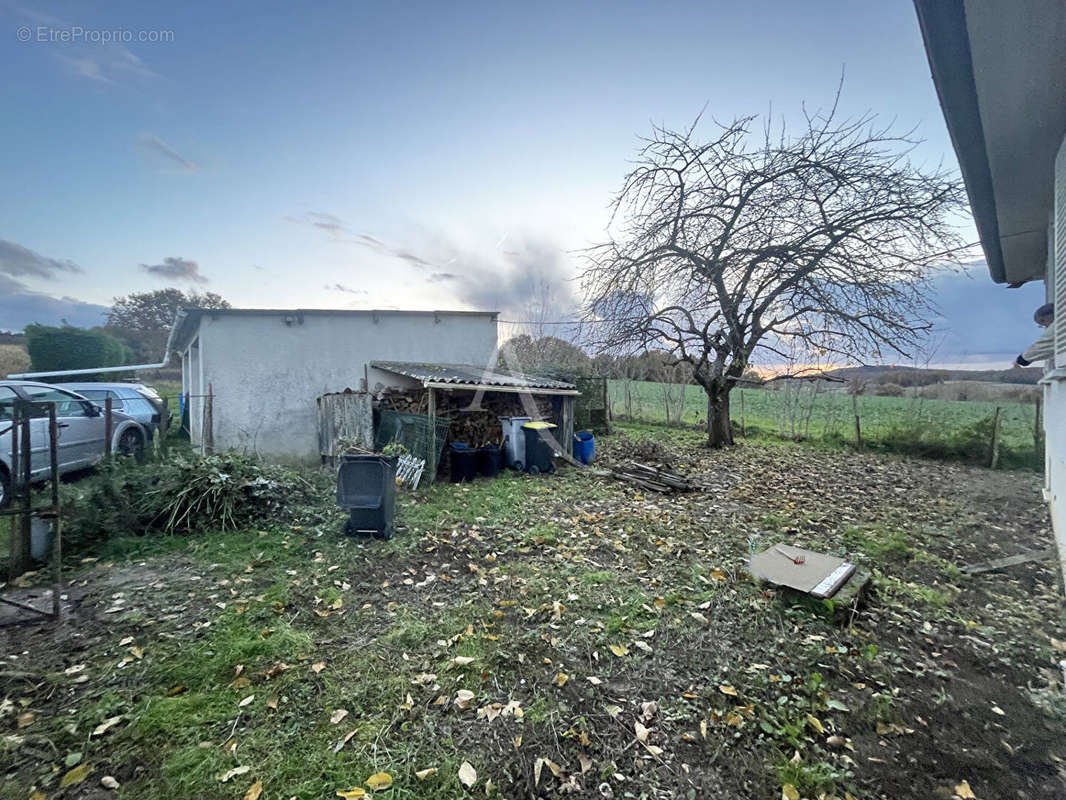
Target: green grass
910, 425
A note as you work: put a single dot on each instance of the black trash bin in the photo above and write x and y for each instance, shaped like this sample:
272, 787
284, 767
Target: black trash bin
488, 460
540, 455
366, 488
462, 462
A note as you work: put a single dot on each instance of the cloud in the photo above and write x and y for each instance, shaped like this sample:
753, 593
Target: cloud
176, 268
17, 260
441, 277
339, 231
20, 307
340, 287
151, 142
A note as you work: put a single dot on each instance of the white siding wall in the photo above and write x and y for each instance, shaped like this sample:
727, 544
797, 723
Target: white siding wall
266, 374
1054, 386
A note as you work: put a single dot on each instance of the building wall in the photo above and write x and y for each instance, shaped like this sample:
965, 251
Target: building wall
265, 374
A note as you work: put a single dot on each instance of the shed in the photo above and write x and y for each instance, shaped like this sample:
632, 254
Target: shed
252, 377
482, 394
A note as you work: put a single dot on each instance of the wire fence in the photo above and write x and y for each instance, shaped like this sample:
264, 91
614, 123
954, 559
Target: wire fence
968, 430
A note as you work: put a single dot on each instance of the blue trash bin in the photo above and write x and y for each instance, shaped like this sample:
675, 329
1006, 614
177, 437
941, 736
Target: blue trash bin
584, 446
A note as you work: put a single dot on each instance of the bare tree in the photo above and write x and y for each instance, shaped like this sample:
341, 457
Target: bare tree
718, 248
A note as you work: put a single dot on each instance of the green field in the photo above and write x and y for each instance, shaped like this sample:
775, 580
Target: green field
922, 426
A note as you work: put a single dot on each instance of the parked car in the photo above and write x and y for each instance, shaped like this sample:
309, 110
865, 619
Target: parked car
82, 431
135, 400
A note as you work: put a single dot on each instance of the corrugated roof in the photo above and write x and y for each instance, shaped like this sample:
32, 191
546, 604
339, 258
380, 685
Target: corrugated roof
464, 374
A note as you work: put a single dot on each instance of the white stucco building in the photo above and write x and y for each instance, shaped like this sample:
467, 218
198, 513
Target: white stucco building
264, 369
1000, 70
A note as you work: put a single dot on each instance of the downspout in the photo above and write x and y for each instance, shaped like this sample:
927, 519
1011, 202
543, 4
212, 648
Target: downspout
100, 370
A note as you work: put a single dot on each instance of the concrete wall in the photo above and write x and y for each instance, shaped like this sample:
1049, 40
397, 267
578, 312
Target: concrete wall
266, 373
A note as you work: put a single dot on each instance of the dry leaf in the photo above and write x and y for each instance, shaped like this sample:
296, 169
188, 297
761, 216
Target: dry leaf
347, 738
815, 723
355, 793
272, 702
964, 791
718, 575
789, 792
137, 652
379, 781
619, 649
561, 679
318, 666
467, 774
463, 698
233, 773
109, 782
246, 701
106, 725
24, 720
75, 776
422, 774
729, 690
461, 661
338, 715
642, 732
254, 791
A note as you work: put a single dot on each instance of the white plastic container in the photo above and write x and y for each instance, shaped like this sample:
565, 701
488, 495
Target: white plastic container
514, 448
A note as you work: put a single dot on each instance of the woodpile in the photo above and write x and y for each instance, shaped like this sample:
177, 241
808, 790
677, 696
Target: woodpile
476, 426
654, 479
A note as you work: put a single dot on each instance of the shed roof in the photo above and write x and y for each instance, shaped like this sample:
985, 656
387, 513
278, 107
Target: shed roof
465, 376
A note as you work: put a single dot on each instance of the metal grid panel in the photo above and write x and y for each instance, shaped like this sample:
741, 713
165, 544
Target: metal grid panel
413, 431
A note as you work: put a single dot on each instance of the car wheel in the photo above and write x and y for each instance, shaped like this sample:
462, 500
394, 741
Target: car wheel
131, 443
5, 487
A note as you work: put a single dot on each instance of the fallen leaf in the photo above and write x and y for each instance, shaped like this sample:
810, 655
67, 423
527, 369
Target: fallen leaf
74, 776
642, 732
379, 781
106, 725
233, 773
246, 701
619, 649
815, 723
561, 679
422, 774
718, 574
24, 720
467, 774
318, 666
461, 661
254, 791
338, 715
964, 791
272, 702
729, 690
137, 653
789, 792
347, 738
463, 698
109, 782
355, 793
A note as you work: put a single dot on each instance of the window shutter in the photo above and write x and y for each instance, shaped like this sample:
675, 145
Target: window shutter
1058, 274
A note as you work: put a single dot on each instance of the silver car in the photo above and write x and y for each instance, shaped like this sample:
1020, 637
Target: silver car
135, 400
82, 431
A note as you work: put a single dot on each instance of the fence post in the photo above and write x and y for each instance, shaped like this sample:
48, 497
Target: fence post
995, 439
20, 482
858, 426
109, 425
743, 425
57, 531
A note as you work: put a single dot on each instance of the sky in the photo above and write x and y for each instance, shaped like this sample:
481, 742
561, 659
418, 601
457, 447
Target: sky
404, 155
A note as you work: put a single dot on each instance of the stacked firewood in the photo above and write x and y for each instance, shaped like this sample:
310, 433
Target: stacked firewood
474, 426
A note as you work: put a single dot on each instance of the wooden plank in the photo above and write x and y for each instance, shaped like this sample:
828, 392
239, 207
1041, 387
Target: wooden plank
1046, 554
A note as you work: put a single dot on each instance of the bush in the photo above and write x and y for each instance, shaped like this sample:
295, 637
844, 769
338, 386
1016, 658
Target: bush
888, 390
182, 494
13, 359
73, 348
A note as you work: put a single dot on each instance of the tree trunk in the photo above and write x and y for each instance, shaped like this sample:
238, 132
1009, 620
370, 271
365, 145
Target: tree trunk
719, 426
